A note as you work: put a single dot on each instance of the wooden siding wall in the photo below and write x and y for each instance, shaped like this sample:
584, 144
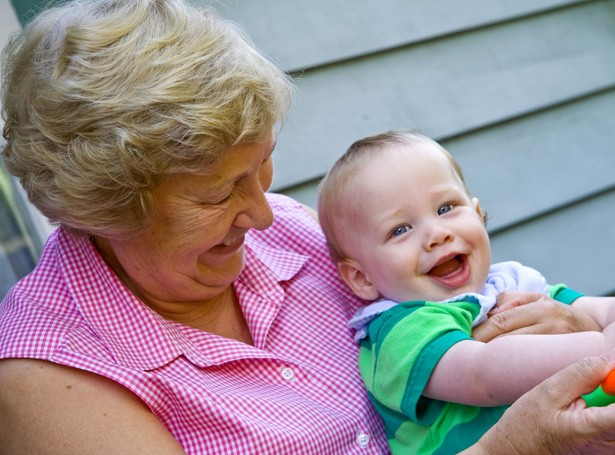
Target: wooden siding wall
522, 93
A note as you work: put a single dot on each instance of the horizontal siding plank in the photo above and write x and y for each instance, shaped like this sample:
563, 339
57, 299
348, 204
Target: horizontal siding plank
575, 246
523, 168
306, 193
308, 33
526, 167
448, 87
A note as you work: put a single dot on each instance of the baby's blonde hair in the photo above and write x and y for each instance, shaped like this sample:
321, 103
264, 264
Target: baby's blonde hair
332, 189
102, 99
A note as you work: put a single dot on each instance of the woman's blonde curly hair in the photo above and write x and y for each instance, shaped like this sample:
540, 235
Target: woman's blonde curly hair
104, 98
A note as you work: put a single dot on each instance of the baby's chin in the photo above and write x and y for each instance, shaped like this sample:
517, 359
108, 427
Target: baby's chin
451, 293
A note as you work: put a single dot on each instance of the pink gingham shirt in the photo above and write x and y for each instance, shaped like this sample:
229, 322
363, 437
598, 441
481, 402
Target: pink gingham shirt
296, 391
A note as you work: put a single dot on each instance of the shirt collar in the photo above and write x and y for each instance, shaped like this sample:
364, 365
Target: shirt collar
137, 336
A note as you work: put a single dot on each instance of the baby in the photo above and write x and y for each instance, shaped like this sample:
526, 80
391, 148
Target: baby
408, 237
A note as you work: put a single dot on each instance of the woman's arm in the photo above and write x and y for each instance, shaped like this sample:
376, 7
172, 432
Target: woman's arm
50, 409
552, 419
499, 372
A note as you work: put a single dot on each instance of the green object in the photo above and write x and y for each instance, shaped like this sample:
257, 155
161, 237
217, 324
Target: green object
27, 9
598, 398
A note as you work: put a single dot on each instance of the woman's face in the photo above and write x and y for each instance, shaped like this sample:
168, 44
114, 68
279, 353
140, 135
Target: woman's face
193, 250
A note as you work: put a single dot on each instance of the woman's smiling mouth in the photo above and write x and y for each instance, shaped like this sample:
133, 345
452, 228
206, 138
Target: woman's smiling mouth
228, 246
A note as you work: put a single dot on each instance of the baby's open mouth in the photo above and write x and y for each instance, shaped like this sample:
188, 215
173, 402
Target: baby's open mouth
447, 267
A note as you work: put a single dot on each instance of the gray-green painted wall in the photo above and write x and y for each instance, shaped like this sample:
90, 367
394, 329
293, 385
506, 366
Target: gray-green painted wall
25, 9
522, 93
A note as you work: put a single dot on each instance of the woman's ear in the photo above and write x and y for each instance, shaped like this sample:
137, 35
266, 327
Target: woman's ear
353, 275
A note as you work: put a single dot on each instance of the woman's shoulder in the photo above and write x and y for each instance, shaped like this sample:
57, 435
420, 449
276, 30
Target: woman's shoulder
294, 223
282, 204
31, 327
40, 310
295, 230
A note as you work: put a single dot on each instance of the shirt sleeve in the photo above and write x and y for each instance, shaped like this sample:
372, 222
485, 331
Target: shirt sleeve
564, 294
403, 346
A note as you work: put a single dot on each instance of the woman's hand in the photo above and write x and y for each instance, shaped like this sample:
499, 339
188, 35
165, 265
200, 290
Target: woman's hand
551, 419
519, 312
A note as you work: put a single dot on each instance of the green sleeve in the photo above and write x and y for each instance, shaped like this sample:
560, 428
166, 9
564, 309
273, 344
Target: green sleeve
404, 345
396, 360
564, 294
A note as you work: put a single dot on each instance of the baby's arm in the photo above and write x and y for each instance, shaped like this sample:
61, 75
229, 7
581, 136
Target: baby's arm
499, 372
601, 309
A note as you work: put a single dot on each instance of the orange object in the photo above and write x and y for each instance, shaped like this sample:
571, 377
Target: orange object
608, 385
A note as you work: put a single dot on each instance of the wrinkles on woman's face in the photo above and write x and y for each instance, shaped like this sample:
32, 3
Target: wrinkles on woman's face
193, 249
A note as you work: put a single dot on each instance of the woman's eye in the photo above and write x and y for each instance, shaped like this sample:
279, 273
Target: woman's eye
399, 230
445, 209
223, 200
217, 201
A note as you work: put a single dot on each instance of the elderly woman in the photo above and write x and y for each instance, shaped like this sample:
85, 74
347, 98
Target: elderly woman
179, 308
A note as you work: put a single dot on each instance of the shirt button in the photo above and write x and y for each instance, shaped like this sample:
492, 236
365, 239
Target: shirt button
288, 373
363, 439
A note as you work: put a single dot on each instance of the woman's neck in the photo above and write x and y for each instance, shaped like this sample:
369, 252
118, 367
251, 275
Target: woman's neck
220, 314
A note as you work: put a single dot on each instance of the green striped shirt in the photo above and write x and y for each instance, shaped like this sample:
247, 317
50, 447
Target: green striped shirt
396, 359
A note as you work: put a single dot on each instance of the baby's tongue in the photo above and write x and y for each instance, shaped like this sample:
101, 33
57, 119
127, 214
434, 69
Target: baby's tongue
446, 267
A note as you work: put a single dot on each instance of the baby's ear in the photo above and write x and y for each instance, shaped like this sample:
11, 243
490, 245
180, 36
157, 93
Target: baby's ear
353, 275
479, 210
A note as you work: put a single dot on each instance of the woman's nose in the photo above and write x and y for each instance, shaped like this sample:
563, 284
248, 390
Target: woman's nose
257, 213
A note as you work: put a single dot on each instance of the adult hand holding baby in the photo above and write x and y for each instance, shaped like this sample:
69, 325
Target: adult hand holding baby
552, 418
519, 312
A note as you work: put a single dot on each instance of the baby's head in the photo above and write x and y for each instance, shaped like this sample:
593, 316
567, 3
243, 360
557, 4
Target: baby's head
400, 222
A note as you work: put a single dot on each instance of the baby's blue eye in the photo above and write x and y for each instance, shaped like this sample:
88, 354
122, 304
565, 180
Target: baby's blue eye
399, 230
445, 209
